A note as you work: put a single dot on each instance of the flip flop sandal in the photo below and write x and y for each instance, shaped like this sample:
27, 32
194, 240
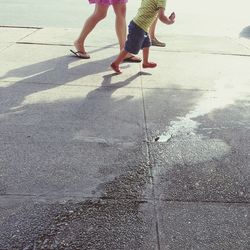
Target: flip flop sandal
132, 59
80, 54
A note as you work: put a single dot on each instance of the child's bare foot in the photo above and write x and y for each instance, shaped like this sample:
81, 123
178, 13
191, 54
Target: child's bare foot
149, 65
116, 68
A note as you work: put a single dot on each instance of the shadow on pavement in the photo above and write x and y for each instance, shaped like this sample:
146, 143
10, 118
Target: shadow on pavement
55, 148
245, 32
49, 74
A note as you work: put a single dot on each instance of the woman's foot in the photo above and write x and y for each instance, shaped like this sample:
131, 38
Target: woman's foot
149, 65
132, 58
157, 43
80, 51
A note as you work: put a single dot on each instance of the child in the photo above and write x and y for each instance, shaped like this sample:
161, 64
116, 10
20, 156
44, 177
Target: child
138, 31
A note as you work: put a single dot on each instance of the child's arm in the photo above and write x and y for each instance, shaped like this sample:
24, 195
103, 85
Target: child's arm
163, 18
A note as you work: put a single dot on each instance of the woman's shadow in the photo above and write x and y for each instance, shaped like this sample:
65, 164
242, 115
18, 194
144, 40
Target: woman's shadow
101, 115
86, 108
47, 75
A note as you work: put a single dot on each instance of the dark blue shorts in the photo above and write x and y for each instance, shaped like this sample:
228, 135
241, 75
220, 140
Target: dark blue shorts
137, 39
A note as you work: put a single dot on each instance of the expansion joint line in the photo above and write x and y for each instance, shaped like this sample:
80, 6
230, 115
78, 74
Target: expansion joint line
151, 165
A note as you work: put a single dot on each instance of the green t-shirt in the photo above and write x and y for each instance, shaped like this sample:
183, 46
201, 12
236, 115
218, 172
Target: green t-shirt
148, 12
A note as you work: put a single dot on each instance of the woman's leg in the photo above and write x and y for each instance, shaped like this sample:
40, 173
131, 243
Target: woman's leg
154, 40
152, 29
120, 23
99, 13
121, 29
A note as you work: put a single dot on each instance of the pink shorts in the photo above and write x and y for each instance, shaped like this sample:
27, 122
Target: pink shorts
109, 2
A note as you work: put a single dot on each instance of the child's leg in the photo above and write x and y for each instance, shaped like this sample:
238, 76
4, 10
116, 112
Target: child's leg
120, 57
132, 45
146, 63
145, 53
115, 64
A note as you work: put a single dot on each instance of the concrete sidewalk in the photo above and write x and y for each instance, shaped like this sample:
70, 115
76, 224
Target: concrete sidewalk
155, 159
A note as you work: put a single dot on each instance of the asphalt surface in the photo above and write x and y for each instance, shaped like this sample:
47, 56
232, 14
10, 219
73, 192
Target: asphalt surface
149, 159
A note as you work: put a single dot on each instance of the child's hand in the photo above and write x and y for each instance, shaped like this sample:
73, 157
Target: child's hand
172, 16
165, 19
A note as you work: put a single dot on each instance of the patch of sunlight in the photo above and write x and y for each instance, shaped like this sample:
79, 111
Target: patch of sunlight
74, 64
19, 75
57, 94
7, 84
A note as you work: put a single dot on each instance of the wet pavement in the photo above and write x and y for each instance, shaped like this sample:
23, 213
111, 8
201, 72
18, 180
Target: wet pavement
154, 159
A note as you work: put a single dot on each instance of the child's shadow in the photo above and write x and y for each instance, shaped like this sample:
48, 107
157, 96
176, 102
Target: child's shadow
106, 115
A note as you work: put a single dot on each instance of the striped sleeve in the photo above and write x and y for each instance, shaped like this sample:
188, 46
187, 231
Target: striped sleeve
161, 4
